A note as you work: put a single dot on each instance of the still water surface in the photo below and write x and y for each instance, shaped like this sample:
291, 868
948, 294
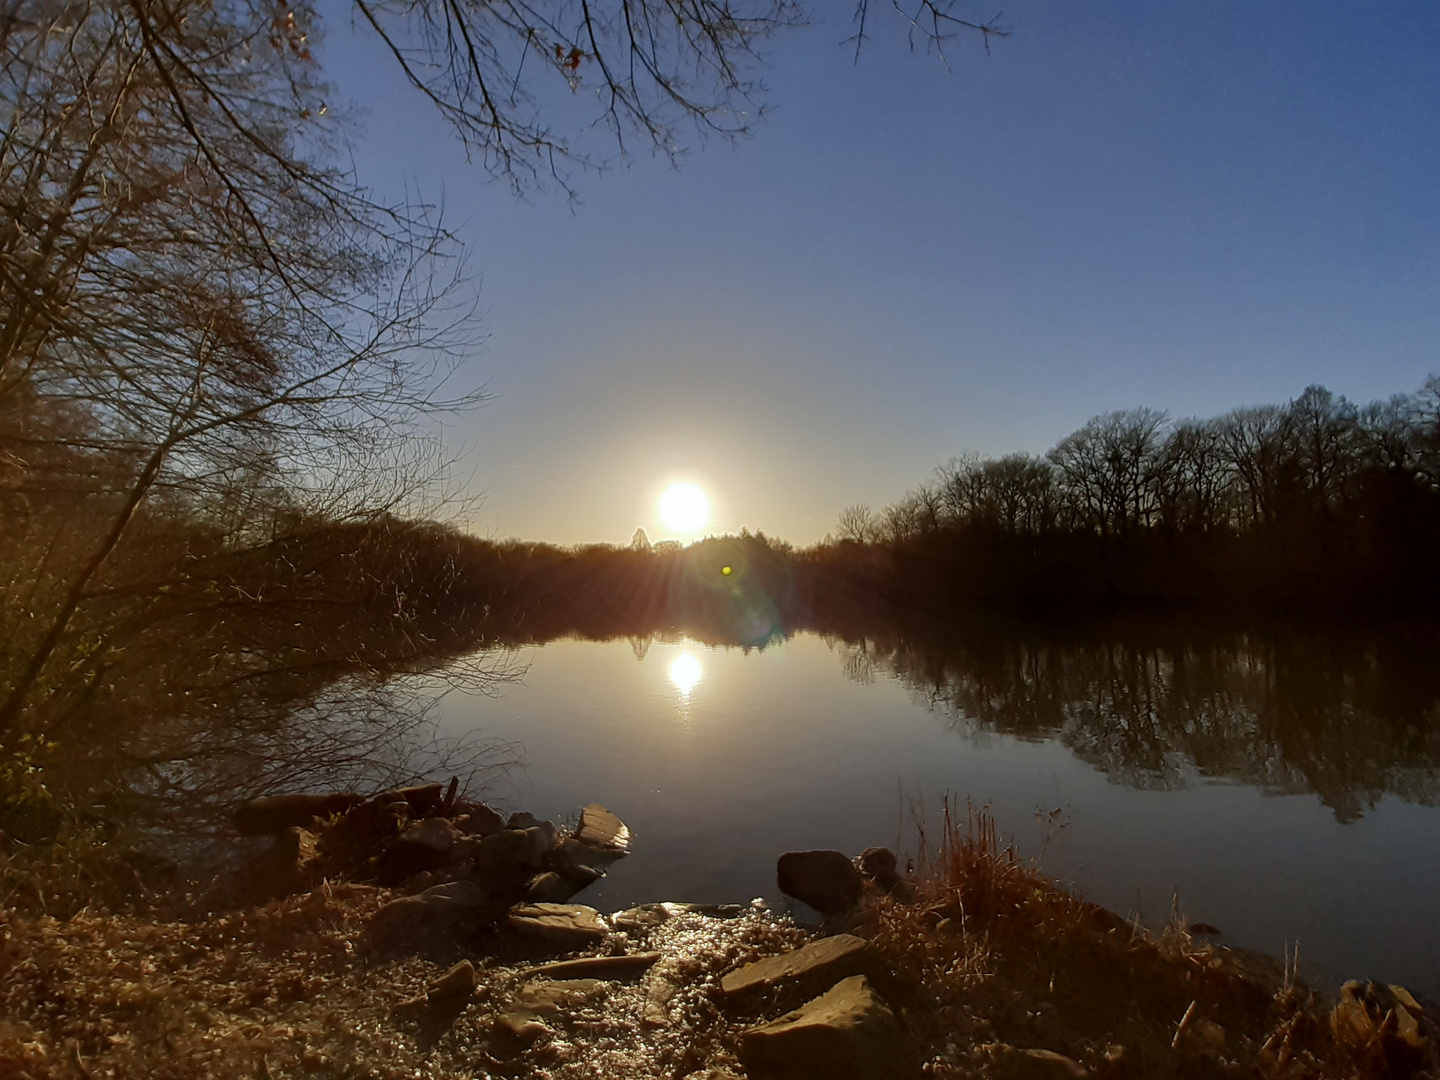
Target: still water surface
1287, 793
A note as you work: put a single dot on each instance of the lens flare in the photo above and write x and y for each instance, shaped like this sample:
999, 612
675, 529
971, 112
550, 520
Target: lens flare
685, 672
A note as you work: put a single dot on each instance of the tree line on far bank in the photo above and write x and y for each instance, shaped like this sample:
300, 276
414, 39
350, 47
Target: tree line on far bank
1317, 501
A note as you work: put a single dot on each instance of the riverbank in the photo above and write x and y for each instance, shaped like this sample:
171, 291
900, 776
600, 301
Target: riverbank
448, 963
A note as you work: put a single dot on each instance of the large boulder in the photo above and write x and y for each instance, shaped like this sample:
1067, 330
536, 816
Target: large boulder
479, 820
423, 846
847, 1033
290, 865
273, 814
826, 880
432, 918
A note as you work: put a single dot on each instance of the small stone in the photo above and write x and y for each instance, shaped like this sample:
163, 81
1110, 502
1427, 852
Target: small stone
644, 917
847, 1033
658, 993
600, 828
524, 820
564, 926
1013, 1063
521, 1026
550, 997
826, 880
825, 961
711, 911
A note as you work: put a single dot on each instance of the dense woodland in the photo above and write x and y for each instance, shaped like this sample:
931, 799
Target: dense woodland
1314, 504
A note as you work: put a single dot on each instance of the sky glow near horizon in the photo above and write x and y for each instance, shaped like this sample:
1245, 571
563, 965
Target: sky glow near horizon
1191, 209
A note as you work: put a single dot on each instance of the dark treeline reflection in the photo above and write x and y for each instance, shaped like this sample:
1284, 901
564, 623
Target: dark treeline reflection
1348, 714
1345, 709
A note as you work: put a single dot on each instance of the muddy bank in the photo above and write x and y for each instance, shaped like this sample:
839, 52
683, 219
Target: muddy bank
414, 934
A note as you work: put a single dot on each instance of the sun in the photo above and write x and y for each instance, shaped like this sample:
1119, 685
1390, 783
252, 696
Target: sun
684, 508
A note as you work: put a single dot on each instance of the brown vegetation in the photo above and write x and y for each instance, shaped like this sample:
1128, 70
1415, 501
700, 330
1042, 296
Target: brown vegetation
999, 958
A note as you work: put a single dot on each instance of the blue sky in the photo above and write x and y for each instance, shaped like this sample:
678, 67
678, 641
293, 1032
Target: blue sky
1190, 207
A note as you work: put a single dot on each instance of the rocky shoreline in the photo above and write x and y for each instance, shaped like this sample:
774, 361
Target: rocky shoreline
415, 933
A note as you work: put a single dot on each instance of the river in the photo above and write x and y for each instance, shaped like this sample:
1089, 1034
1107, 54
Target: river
1283, 785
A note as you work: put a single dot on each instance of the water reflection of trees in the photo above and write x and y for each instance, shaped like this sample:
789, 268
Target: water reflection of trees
1348, 715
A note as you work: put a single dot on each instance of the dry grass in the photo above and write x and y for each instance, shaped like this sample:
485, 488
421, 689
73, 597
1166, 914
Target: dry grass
993, 952
286, 990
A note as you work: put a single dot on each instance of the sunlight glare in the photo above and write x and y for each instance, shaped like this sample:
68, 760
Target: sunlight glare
685, 673
684, 508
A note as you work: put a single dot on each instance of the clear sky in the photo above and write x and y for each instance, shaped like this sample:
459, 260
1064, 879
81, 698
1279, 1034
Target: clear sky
1185, 206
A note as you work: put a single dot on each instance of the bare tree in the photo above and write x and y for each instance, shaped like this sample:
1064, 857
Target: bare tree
514, 77
857, 523
181, 271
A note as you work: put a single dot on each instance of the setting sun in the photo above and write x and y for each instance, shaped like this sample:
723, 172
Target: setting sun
684, 508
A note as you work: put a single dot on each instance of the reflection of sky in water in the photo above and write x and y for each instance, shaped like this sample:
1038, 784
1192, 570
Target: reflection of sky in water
778, 749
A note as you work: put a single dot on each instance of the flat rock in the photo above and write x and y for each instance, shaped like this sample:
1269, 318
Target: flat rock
847, 1033
522, 1022
826, 880
595, 967
565, 926
644, 917
825, 961
551, 997
600, 828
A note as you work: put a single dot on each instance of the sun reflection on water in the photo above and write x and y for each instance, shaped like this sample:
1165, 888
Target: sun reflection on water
685, 672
